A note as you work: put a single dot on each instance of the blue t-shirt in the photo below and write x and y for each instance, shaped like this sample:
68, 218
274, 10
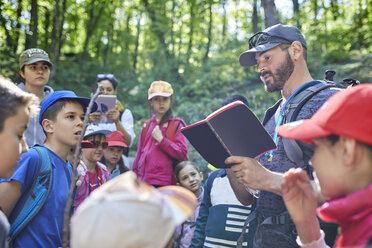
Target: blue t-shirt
45, 229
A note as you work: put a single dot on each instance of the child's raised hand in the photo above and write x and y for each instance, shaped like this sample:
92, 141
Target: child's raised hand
113, 114
298, 196
96, 116
156, 134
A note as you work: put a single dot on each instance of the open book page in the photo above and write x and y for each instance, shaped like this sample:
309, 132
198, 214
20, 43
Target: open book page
105, 103
231, 130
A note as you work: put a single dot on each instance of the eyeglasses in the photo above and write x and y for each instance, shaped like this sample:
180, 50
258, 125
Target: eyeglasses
263, 38
104, 76
93, 144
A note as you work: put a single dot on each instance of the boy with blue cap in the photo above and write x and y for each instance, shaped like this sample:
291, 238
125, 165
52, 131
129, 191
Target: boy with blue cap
61, 117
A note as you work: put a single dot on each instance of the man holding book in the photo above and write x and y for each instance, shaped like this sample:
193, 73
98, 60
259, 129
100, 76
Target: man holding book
280, 53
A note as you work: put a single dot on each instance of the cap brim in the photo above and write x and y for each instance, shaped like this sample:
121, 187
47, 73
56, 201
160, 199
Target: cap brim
102, 131
181, 201
304, 130
117, 143
37, 60
247, 58
159, 94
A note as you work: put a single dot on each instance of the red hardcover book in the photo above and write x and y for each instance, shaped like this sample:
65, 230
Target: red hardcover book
231, 130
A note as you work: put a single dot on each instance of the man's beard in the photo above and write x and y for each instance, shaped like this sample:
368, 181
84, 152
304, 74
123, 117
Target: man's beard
280, 76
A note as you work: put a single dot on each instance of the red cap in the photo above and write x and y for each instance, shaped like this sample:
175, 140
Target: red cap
347, 113
116, 138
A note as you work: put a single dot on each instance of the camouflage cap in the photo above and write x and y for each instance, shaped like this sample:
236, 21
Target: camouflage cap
33, 55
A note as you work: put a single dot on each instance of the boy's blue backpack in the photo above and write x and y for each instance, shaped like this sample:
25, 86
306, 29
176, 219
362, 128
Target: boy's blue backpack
37, 194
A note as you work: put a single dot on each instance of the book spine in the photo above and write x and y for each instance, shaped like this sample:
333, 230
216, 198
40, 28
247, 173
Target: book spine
219, 138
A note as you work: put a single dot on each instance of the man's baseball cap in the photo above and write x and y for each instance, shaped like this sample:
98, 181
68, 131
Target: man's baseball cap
116, 138
160, 88
64, 94
347, 113
269, 38
126, 212
33, 55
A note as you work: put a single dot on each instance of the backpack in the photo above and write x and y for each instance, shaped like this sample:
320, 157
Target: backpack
37, 194
291, 147
172, 128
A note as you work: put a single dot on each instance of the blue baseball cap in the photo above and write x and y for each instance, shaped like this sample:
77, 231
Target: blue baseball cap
64, 94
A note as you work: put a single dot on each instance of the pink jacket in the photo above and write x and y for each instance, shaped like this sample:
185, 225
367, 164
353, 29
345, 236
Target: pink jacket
354, 214
82, 184
153, 162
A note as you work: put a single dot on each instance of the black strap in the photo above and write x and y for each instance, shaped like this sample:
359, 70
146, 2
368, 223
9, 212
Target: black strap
251, 216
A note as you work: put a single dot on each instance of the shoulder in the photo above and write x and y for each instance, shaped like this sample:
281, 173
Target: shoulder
177, 119
102, 166
316, 102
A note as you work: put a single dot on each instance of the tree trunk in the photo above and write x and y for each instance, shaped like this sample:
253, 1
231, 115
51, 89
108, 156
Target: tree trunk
135, 55
335, 9
271, 14
191, 32
296, 11
60, 34
17, 30
32, 41
160, 33
46, 28
224, 20
255, 17
90, 27
55, 29
206, 55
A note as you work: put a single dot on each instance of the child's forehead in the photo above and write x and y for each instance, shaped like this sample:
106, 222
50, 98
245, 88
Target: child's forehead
72, 106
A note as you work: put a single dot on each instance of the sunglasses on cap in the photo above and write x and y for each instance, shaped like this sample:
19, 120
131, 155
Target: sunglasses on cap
261, 38
93, 144
104, 76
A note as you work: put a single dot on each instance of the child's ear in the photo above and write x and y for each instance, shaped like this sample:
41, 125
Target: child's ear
48, 126
351, 150
22, 74
201, 175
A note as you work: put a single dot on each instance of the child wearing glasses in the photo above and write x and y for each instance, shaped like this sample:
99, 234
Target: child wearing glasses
34, 69
121, 116
91, 173
156, 152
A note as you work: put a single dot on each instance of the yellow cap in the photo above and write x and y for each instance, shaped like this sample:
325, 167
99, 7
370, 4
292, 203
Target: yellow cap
160, 88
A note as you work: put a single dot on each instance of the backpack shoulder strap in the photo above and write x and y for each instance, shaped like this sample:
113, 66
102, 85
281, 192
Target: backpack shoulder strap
211, 180
37, 194
146, 127
291, 147
172, 128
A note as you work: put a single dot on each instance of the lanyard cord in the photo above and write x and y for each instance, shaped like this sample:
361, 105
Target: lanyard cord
281, 115
90, 189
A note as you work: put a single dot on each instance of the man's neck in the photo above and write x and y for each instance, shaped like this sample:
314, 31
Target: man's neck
295, 81
36, 89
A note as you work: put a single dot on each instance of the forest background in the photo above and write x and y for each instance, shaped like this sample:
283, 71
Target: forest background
193, 44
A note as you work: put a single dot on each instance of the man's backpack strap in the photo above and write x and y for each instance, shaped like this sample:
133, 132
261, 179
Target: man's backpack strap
37, 194
291, 147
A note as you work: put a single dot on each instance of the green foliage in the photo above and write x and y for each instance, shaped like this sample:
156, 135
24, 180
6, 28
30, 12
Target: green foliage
145, 40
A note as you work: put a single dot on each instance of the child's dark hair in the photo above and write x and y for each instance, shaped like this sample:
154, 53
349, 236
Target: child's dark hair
122, 167
12, 97
182, 165
234, 98
109, 77
166, 116
333, 139
52, 111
